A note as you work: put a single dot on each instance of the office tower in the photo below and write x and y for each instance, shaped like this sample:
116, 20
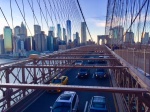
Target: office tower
20, 45
129, 37
50, 39
16, 30
37, 29
83, 33
23, 30
78, 38
55, 42
8, 39
52, 28
145, 39
1, 45
59, 32
117, 35
64, 35
68, 23
40, 42
1, 36
27, 43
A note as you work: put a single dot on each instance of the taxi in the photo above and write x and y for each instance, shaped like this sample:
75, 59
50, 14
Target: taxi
63, 80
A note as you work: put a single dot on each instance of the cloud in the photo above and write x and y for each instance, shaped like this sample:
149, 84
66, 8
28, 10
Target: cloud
97, 22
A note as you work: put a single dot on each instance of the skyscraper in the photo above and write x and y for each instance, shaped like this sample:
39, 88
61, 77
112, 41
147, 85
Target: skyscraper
8, 39
59, 32
16, 30
83, 33
23, 30
145, 38
117, 35
1, 45
37, 29
50, 39
129, 37
40, 42
68, 30
64, 35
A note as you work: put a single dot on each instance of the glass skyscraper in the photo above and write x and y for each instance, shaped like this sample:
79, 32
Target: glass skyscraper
37, 29
50, 40
83, 33
8, 39
64, 35
59, 32
16, 30
68, 30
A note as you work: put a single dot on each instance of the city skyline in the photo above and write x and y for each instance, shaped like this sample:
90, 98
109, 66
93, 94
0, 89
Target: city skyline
95, 20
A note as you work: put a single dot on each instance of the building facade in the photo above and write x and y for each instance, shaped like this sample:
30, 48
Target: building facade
8, 39
68, 26
83, 33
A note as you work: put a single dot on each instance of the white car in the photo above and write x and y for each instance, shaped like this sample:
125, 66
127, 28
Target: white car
68, 101
79, 62
98, 104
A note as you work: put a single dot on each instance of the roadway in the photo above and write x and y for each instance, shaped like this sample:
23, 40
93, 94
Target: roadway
43, 103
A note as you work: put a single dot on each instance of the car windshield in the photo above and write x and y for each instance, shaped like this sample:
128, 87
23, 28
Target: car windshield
98, 105
61, 107
56, 81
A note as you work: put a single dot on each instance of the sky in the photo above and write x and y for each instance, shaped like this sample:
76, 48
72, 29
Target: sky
93, 10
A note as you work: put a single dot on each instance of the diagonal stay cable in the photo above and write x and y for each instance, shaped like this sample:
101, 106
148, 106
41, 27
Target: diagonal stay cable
42, 13
84, 19
23, 17
33, 12
48, 12
4, 16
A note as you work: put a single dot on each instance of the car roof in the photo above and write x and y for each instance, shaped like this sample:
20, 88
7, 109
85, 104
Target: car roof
66, 96
99, 99
98, 103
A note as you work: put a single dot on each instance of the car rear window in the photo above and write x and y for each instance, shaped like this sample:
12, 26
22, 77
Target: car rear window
98, 105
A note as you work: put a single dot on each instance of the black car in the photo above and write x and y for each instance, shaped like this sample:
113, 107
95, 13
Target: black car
91, 61
83, 73
103, 62
101, 73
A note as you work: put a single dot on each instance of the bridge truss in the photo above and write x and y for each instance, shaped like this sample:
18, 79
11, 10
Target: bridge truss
20, 79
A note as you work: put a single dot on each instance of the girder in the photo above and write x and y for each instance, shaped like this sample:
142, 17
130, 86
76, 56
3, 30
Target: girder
76, 88
69, 66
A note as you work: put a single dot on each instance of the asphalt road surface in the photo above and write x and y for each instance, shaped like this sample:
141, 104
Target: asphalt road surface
43, 103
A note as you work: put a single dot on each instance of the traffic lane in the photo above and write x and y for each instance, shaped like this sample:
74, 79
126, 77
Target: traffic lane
43, 103
90, 81
46, 100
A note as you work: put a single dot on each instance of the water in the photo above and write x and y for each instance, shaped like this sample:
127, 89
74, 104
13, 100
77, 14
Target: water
2, 61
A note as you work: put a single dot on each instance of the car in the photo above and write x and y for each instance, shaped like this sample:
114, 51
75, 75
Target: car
79, 62
98, 104
83, 73
63, 80
91, 61
100, 73
104, 62
68, 101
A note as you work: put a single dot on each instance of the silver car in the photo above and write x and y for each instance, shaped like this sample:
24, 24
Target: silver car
68, 101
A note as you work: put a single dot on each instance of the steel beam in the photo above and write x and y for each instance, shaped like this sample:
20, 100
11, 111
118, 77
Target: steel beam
77, 59
69, 66
75, 88
141, 79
